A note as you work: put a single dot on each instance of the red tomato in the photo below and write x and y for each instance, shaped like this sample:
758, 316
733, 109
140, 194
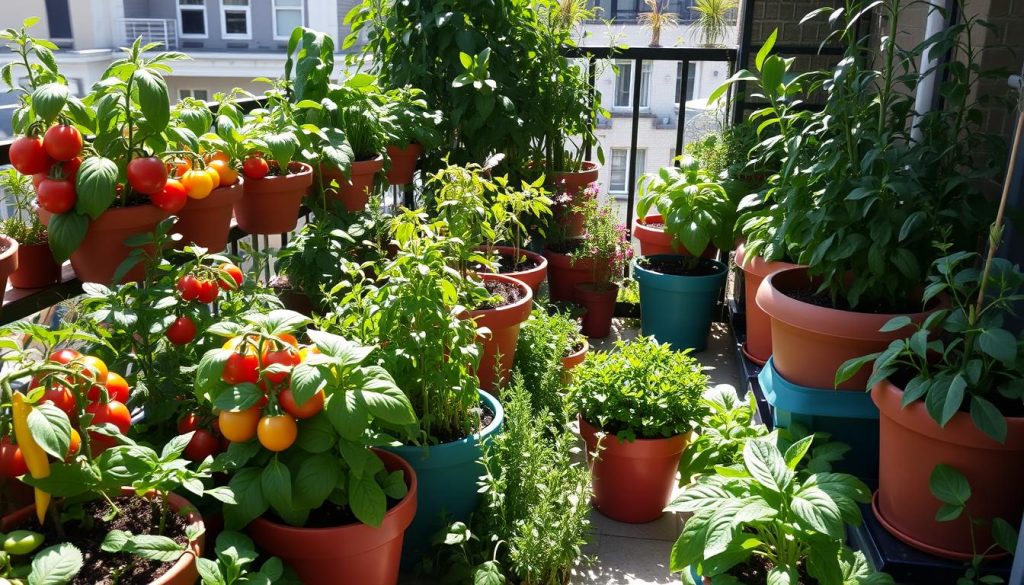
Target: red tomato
287, 357
61, 397
241, 368
179, 166
64, 356
188, 287
62, 142
235, 273
182, 330
69, 168
202, 445
147, 175
189, 422
208, 291
172, 197
255, 167
28, 156
57, 195
12, 462
112, 412
117, 387
307, 409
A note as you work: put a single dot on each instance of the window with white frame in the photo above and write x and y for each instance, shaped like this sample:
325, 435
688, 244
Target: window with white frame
617, 182
235, 19
624, 84
199, 94
691, 80
192, 18
288, 15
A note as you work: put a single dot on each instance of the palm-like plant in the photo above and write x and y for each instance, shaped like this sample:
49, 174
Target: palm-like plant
714, 18
656, 19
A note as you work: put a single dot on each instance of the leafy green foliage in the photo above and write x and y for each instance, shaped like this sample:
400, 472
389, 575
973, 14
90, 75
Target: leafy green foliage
640, 390
604, 243
23, 224
544, 339
235, 555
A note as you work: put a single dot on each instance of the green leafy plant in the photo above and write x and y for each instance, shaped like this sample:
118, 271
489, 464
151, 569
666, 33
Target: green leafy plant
412, 120
544, 339
515, 210
23, 224
235, 555
605, 242
462, 205
714, 17
656, 18
641, 390
790, 521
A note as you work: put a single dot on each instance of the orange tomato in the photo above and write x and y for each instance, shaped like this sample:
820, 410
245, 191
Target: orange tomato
307, 351
239, 427
94, 368
277, 433
75, 445
179, 166
289, 339
226, 174
198, 183
219, 155
214, 176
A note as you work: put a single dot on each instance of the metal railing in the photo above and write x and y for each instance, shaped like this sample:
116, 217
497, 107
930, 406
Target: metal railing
152, 30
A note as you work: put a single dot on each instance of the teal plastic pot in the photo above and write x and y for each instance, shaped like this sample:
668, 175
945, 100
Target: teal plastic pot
848, 416
677, 310
448, 476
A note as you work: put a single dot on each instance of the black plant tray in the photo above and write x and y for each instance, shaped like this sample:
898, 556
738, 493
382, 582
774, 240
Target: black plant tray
748, 369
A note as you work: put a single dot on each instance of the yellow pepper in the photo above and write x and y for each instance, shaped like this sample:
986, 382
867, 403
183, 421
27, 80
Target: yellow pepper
35, 458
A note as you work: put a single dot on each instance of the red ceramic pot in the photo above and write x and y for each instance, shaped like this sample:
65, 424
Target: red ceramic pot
574, 182
36, 267
572, 360
758, 344
207, 222
103, 249
499, 346
532, 277
598, 298
354, 192
271, 205
911, 444
632, 481
403, 163
8, 258
354, 554
564, 275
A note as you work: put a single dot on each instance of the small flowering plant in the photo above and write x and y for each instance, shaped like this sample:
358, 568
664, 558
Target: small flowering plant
605, 241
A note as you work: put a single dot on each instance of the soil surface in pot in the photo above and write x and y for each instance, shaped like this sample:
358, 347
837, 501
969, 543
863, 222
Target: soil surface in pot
327, 516
507, 264
565, 247
508, 291
755, 572
680, 266
578, 346
486, 418
4, 246
811, 296
137, 517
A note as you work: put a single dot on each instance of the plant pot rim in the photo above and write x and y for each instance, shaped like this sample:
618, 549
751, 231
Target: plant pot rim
758, 266
586, 167
721, 270
509, 251
505, 315
499, 417
577, 356
119, 217
960, 430
673, 444
375, 162
825, 320
408, 149
223, 196
10, 254
785, 395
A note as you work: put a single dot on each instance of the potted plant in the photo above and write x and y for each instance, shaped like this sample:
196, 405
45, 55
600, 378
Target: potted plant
655, 18
637, 406
606, 251
509, 210
35, 265
550, 346
794, 532
565, 237
714, 18
297, 495
413, 127
88, 218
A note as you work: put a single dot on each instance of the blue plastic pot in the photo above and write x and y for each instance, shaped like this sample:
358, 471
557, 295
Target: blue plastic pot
677, 309
448, 476
848, 416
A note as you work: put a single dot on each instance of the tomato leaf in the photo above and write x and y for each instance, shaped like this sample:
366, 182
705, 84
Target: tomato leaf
367, 500
66, 232
153, 100
48, 100
316, 479
246, 484
55, 565
96, 186
276, 482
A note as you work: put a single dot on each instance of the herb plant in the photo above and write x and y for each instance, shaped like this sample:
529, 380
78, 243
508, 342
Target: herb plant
23, 225
544, 339
604, 243
412, 120
234, 564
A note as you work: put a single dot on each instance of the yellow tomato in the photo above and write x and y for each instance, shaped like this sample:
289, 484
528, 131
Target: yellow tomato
214, 176
226, 174
198, 183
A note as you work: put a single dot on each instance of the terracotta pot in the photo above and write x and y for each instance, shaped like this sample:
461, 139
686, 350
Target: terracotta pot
36, 267
532, 277
499, 346
573, 182
403, 163
564, 275
207, 222
354, 554
183, 572
598, 298
911, 444
632, 481
271, 205
758, 344
355, 193
103, 249
656, 241
809, 342
572, 360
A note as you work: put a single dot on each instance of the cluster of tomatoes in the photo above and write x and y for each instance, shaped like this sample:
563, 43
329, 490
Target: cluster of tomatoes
186, 181
204, 287
274, 427
52, 161
205, 442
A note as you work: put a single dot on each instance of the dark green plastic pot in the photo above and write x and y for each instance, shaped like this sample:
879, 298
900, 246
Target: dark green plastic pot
448, 476
677, 310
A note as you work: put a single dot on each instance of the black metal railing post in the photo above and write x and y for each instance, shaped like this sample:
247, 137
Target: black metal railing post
681, 98
638, 65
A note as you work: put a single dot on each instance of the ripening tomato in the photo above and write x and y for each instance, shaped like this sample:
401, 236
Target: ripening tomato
240, 426
61, 397
203, 444
117, 387
189, 422
277, 433
147, 175
197, 183
64, 356
75, 444
37, 180
208, 291
112, 412
172, 197
227, 175
307, 351
285, 357
307, 409
234, 272
255, 167
241, 367
56, 195
12, 462
220, 155
182, 330
95, 369
179, 166
289, 339
28, 156
188, 287
62, 142
214, 176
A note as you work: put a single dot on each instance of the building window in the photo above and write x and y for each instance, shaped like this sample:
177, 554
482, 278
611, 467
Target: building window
617, 183
199, 94
287, 17
624, 84
192, 18
691, 80
234, 19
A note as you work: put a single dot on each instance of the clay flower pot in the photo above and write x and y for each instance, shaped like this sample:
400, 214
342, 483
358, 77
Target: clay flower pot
572, 360
271, 205
8, 258
911, 444
598, 298
564, 275
403, 163
103, 249
354, 192
758, 344
654, 240
500, 344
632, 481
183, 572
354, 554
36, 267
532, 277
810, 342
573, 182
207, 222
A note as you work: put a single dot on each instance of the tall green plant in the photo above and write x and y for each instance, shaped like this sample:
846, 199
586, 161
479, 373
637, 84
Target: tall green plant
714, 17
23, 225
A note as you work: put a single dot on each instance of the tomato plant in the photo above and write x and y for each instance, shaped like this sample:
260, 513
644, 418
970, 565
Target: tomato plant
117, 387
62, 142
234, 272
188, 287
255, 167
147, 175
226, 174
182, 330
61, 397
28, 155
172, 197
179, 166
57, 195
203, 444
112, 412
286, 358
64, 355
75, 444
94, 368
